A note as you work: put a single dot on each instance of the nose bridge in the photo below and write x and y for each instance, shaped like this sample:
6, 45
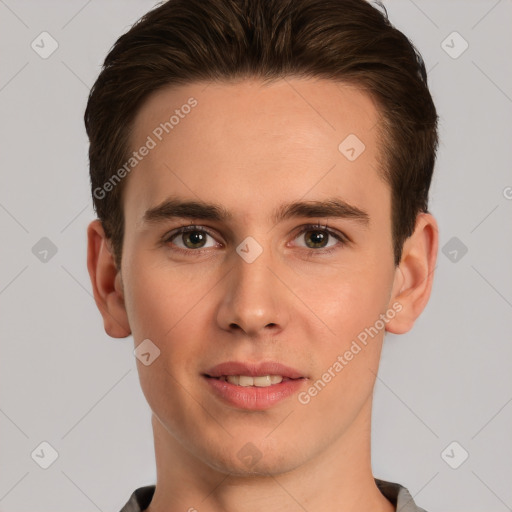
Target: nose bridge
254, 283
252, 269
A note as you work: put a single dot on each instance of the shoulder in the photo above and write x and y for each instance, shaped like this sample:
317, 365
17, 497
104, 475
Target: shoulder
140, 499
398, 495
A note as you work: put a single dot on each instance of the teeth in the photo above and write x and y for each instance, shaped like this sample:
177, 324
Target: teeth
262, 381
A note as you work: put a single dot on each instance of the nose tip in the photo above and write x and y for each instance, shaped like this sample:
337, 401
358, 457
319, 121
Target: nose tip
251, 303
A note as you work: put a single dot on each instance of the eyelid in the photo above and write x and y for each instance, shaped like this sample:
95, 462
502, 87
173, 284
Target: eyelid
324, 227
185, 229
341, 237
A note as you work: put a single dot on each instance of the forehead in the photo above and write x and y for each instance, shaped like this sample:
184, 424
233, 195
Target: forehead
252, 144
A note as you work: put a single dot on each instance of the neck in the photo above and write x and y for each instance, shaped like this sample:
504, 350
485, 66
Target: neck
339, 478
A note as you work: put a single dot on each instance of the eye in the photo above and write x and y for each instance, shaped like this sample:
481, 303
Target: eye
189, 239
316, 238
193, 240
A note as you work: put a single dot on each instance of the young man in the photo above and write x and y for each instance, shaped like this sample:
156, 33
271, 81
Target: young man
260, 170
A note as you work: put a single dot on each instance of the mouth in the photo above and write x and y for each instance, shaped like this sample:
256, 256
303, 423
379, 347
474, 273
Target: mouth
253, 374
261, 381
253, 386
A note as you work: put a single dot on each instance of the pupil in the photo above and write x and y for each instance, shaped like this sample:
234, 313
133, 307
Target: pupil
195, 237
319, 236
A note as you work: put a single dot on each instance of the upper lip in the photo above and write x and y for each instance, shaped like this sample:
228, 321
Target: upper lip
253, 369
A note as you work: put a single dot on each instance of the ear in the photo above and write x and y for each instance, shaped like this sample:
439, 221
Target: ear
106, 282
415, 274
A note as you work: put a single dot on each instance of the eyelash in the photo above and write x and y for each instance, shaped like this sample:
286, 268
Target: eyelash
309, 227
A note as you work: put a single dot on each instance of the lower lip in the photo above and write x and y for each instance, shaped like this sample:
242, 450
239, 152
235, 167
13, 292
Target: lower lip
252, 397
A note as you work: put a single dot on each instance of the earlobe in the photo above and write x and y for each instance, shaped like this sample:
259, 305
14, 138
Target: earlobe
415, 274
106, 282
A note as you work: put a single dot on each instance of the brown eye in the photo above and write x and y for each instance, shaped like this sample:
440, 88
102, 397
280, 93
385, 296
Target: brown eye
189, 239
196, 239
317, 238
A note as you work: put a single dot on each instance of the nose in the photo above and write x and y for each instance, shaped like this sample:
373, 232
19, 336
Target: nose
254, 298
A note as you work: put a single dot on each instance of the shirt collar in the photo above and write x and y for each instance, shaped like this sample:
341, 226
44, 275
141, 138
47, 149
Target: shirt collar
398, 495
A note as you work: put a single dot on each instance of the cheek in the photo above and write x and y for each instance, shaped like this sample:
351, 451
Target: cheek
351, 299
349, 389
146, 306
158, 294
161, 306
166, 305
348, 362
352, 308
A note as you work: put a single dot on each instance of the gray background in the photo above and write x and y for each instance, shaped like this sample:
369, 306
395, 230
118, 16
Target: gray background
64, 381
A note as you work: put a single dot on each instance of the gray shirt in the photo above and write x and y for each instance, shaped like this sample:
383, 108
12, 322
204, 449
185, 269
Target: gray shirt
398, 495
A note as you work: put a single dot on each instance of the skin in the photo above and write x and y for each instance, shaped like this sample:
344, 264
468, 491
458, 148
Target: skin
303, 308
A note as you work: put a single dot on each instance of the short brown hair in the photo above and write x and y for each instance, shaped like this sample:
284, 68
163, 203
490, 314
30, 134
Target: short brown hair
183, 41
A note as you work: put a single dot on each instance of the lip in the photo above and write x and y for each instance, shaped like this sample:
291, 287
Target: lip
253, 369
253, 397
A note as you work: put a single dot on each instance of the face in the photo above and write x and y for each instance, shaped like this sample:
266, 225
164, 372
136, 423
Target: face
247, 285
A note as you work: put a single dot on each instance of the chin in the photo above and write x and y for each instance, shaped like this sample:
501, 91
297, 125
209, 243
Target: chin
252, 461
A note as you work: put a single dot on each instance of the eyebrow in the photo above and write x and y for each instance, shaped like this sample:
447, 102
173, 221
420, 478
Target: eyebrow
177, 208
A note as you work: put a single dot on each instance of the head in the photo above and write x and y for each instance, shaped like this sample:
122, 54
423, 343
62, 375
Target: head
349, 41
264, 96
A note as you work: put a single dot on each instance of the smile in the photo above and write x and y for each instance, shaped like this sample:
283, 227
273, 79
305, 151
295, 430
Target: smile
262, 381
